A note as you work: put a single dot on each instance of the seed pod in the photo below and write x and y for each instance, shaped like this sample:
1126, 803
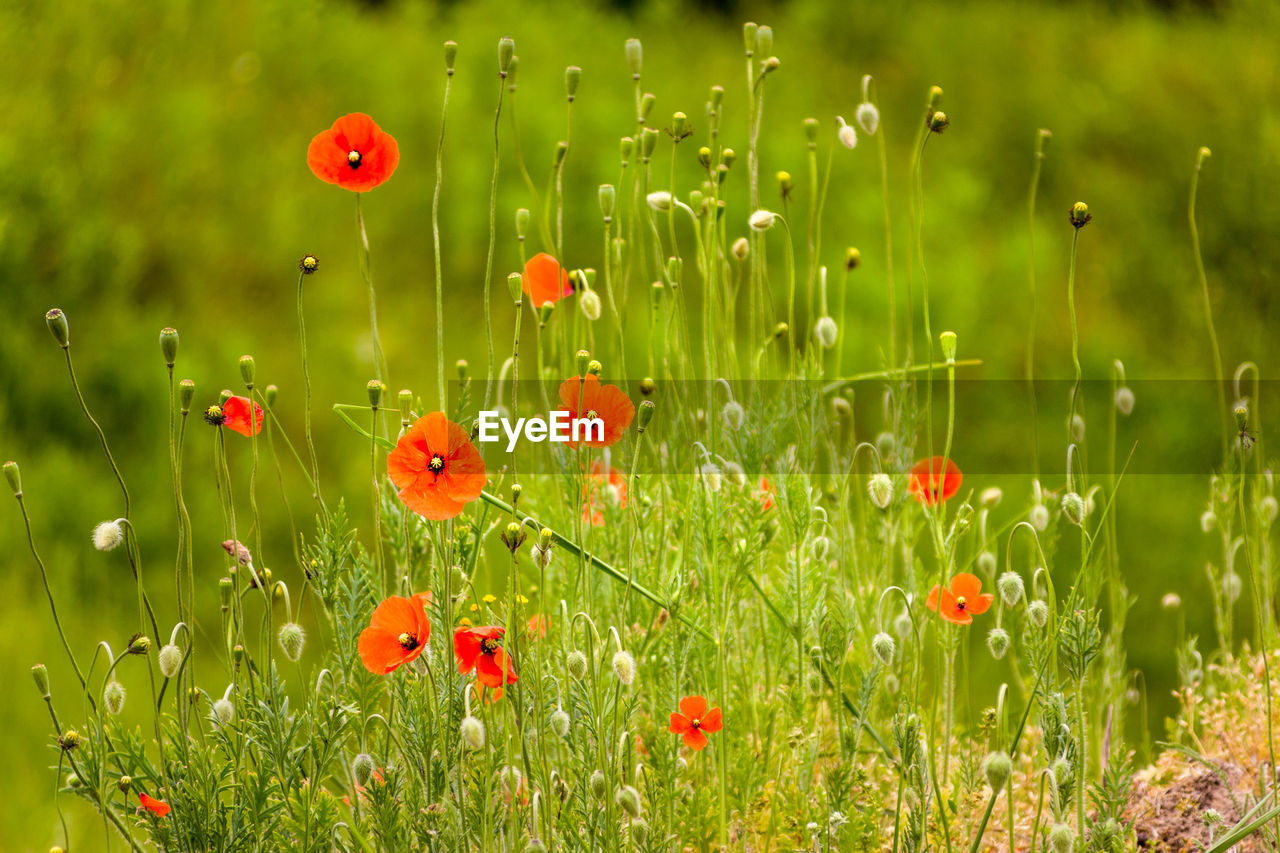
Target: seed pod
40, 673
506, 50
14, 476
608, 196
572, 77
635, 57
58, 327
169, 345
247, 369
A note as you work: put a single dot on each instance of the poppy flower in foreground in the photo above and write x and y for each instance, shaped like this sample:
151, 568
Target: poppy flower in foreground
602, 491
589, 399
235, 416
355, 153
159, 808
931, 484
436, 468
964, 600
545, 280
398, 632
694, 722
481, 649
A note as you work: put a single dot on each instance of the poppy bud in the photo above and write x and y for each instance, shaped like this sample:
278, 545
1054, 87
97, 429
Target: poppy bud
515, 283
535, 845
649, 136
14, 476
990, 498
1171, 601
522, 222
709, 474
113, 697
762, 220
639, 831
1073, 507
998, 767
997, 643
733, 471
270, 393
224, 712
292, 639
362, 768
472, 732
868, 117
679, 124
880, 489
40, 673
560, 722
825, 332
506, 50
1124, 400
883, 646
576, 663
1039, 517
1011, 588
635, 57
624, 667
1061, 838
986, 562
733, 415
58, 326
659, 201
846, 134
170, 658
938, 121
169, 345
1038, 613
644, 415
764, 40
108, 535
572, 76
450, 56
749, 36
607, 196
741, 248
247, 370
629, 799
186, 392
124, 783
811, 131
598, 785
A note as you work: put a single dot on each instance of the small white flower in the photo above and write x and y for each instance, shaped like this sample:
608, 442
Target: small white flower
846, 134
108, 535
762, 220
660, 200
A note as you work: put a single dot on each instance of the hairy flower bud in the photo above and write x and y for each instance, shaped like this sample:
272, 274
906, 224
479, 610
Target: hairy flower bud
883, 646
629, 799
880, 489
1061, 838
987, 562
1038, 613
762, 220
997, 642
997, 767
589, 305
1073, 508
624, 667
597, 785
560, 722
108, 535
113, 696
472, 732
825, 332
362, 768
659, 201
1124, 401
741, 248
576, 663
1039, 517
868, 117
170, 658
224, 712
846, 134
1011, 588
292, 639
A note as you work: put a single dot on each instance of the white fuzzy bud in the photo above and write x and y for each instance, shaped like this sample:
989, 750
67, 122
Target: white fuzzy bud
113, 697
108, 535
997, 642
846, 134
292, 640
362, 768
1073, 507
868, 117
624, 667
472, 731
224, 711
825, 332
576, 663
709, 473
1038, 613
1039, 517
733, 415
1124, 401
880, 489
660, 200
991, 497
762, 220
882, 644
1171, 601
987, 562
741, 248
589, 305
734, 473
1011, 588
629, 799
170, 658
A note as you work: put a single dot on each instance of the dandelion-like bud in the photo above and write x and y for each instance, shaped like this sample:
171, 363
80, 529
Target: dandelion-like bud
825, 332
472, 732
846, 134
1171, 601
629, 799
1039, 517
624, 667
576, 663
991, 497
1011, 588
635, 56
124, 783
883, 646
139, 644
659, 201
108, 535
1062, 838
880, 489
70, 741
170, 658
762, 220
589, 305
868, 117
740, 248
998, 767
14, 476
113, 697
997, 643
597, 785
1038, 613
1073, 507
169, 345
58, 326
644, 415
938, 121
362, 768
1079, 215
292, 639
40, 673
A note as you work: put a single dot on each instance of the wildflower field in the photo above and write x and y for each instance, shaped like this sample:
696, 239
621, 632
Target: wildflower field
520, 427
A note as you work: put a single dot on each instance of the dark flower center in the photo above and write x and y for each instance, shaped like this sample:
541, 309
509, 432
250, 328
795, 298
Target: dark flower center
408, 641
960, 602
695, 723
591, 414
488, 645
353, 158
214, 415
436, 464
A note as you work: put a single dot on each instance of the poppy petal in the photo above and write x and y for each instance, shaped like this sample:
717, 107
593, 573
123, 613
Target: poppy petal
695, 739
679, 724
712, 722
979, 604
693, 707
966, 586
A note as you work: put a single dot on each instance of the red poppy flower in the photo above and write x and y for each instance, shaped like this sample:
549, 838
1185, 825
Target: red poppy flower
398, 632
605, 402
235, 414
964, 600
481, 649
159, 808
764, 494
545, 280
694, 722
602, 492
436, 468
930, 484
355, 154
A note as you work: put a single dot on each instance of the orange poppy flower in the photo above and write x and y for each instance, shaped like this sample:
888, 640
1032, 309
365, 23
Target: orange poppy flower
545, 280
764, 494
930, 484
601, 491
436, 468
605, 402
159, 808
235, 414
486, 695
538, 625
694, 722
398, 632
964, 600
481, 649
355, 154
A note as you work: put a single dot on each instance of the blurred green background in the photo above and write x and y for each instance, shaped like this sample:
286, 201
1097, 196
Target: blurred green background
152, 173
